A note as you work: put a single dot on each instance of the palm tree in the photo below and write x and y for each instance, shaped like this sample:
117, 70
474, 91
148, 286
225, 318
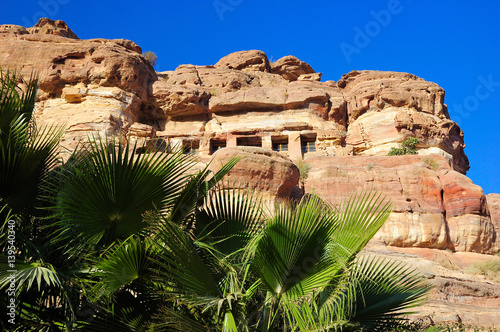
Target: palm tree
115, 240
68, 215
238, 270
27, 154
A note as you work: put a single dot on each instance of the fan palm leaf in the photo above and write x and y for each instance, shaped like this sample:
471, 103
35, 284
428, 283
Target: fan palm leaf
107, 188
27, 153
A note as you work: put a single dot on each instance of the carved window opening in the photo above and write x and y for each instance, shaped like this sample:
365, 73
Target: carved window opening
153, 145
249, 141
308, 143
190, 147
216, 144
280, 143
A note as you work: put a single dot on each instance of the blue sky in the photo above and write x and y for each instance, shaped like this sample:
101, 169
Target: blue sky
455, 44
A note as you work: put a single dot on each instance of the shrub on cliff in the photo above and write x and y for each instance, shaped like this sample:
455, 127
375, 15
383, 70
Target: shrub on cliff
151, 57
407, 147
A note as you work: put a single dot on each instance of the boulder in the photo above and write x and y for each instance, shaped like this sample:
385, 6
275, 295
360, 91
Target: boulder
253, 60
291, 68
46, 26
265, 171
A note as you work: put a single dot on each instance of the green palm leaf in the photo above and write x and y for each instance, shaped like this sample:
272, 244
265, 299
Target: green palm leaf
292, 251
27, 153
195, 191
360, 217
383, 291
128, 262
107, 188
229, 220
182, 262
28, 275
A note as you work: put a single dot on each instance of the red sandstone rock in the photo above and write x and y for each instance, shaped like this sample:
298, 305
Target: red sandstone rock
385, 108
493, 201
434, 206
59, 60
105, 86
89, 86
457, 295
291, 68
47, 26
259, 169
245, 60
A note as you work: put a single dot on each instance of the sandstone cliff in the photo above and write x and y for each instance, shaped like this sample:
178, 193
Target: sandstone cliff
343, 129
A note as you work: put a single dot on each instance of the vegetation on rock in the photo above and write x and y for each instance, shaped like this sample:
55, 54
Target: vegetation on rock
407, 147
151, 57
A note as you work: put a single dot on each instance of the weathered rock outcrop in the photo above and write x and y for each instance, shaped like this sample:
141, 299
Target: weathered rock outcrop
88, 86
266, 172
385, 107
434, 206
493, 201
291, 68
344, 129
246, 61
457, 296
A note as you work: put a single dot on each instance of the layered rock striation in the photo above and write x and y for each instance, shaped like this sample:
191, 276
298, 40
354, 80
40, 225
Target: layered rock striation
433, 205
94, 86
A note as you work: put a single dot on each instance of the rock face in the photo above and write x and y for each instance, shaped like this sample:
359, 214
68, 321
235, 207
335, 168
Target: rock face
383, 107
433, 205
457, 296
493, 201
267, 172
343, 129
89, 86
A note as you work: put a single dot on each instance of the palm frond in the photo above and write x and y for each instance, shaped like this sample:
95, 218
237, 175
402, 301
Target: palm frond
128, 262
107, 188
360, 217
195, 191
292, 251
180, 261
27, 152
229, 220
27, 275
376, 295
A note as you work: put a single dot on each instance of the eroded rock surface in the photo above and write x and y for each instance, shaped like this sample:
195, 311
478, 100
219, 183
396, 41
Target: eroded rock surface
493, 201
434, 206
88, 86
344, 129
266, 172
458, 296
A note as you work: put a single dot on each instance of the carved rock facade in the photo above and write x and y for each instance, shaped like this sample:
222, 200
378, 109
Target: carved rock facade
342, 128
